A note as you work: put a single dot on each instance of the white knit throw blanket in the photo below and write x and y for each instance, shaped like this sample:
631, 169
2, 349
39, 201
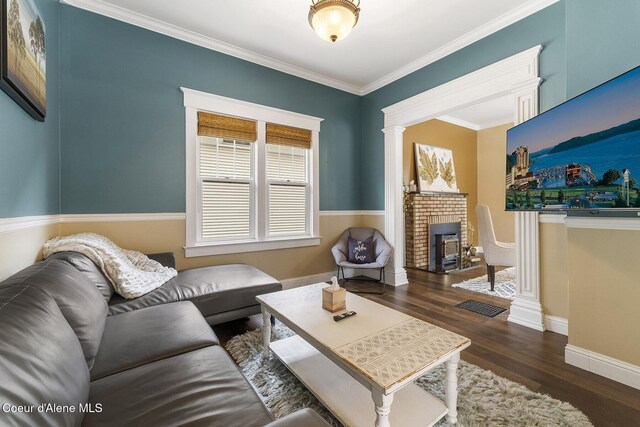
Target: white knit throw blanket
131, 273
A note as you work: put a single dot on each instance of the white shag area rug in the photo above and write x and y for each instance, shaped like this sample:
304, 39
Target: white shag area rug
484, 398
505, 285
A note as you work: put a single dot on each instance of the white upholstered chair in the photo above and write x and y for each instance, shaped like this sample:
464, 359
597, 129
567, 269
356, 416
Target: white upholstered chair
495, 253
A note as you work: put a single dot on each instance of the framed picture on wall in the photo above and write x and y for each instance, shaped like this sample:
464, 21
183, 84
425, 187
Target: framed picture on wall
23, 60
434, 169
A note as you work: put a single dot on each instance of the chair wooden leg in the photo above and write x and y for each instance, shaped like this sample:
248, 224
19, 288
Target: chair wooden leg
491, 273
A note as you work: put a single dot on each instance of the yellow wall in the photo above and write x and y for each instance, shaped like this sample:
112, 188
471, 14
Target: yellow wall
604, 291
21, 248
462, 142
554, 277
169, 236
491, 180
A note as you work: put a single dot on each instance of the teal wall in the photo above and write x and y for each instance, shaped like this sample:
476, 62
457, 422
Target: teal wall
586, 42
29, 159
603, 41
121, 131
546, 28
123, 123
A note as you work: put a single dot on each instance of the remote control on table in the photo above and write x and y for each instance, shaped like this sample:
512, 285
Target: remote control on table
343, 316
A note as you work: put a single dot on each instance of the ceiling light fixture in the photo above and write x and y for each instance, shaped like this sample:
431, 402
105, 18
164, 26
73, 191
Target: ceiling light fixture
333, 20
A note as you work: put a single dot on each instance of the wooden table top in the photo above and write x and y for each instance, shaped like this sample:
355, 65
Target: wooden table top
385, 346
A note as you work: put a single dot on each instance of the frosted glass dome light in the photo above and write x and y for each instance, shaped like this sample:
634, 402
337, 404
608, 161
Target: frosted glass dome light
333, 20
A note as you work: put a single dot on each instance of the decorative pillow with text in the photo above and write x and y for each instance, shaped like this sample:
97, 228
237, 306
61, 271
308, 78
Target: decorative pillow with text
361, 251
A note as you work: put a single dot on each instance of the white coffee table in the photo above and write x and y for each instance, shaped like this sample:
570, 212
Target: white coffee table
375, 355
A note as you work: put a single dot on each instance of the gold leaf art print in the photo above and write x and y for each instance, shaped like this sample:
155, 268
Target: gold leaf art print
435, 170
428, 167
446, 171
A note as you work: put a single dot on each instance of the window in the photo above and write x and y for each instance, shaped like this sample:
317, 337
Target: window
251, 177
288, 190
226, 188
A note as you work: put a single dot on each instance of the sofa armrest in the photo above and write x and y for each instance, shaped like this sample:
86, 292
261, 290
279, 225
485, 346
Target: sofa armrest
304, 417
167, 259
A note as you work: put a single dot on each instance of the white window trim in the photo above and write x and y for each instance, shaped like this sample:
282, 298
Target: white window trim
195, 101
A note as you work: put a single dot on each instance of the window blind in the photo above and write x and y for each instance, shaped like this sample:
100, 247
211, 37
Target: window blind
226, 175
286, 163
225, 159
225, 210
288, 189
215, 125
287, 135
287, 209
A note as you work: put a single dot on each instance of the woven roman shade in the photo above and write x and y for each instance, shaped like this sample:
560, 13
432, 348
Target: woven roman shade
226, 127
287, 135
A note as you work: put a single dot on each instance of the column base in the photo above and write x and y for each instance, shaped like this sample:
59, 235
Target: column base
396, 277
527, 313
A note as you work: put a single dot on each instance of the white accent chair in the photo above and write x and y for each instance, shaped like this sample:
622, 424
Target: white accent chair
381, 248
495, 253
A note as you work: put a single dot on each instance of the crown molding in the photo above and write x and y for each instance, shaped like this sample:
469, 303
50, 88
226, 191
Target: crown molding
489, 28
503, 121
121, 14
459, 122
475, 126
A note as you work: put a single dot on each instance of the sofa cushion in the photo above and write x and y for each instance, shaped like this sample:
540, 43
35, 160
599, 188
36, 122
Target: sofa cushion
199, 388
87, 267
212, 289
40, 358
169, 292
79, 300
154, 333
225, 287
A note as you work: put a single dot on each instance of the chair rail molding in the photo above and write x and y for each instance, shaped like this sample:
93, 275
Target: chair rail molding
517, 75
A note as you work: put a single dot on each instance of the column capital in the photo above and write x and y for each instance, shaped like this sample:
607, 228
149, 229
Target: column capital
528, 85
394, 128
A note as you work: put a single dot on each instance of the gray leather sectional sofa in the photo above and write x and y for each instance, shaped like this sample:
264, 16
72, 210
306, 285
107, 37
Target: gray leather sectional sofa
221, 293
68, 358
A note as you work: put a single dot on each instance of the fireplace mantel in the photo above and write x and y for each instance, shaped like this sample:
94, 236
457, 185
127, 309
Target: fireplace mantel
424, 209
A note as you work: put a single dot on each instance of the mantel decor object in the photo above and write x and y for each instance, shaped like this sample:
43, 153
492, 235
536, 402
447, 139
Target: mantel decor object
434, 169
334, 298
23, 58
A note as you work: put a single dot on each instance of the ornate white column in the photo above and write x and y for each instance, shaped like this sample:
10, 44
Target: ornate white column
526, 308
396, 275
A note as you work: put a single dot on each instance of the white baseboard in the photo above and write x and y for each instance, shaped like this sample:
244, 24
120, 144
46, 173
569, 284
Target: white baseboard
557, 324
296, 282
606, 366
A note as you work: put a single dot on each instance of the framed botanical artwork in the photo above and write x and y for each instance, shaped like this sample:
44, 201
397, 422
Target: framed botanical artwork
23, 60
434, 169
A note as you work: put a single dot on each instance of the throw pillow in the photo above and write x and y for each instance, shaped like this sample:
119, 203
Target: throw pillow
361, 251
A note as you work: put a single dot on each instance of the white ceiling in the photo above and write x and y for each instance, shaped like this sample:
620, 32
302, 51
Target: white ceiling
485, 115
392, 38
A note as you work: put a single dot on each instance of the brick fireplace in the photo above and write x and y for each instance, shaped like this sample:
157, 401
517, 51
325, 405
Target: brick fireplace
425, 210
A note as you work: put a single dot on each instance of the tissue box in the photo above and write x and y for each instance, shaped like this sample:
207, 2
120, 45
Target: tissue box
334, 300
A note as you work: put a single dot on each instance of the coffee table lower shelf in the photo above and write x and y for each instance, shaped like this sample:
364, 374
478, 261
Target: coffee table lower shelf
346, 398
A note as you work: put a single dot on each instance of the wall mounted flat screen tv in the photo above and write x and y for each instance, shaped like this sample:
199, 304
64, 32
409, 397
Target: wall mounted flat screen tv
581, 155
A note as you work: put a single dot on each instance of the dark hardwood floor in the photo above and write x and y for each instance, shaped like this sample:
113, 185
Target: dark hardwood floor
528, 357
